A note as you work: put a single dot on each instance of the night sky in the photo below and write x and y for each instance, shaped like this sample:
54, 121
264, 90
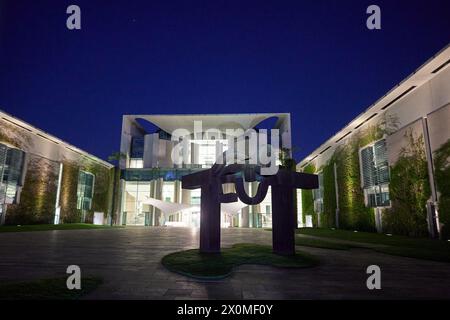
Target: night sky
314, 59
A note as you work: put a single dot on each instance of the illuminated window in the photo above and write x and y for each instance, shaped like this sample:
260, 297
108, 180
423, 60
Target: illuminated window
207, 151
11, 170
136, 163
195, 196
168, 191
85, 190
375, 174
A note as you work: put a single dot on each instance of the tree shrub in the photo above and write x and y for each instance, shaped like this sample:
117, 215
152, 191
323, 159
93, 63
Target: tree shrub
409, 190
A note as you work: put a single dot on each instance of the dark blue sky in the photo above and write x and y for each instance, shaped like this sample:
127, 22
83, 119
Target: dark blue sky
315, 59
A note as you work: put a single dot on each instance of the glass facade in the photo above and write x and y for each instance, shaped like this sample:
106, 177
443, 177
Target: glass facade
85, 190
375, 174
135, 211
136, 163
265, 211
11, 171
142, 186
137, 148
207, 151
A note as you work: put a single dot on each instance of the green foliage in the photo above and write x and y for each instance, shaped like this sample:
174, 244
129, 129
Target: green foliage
192, 263
47, 289
38, 196
409, 190
102, 192
116, 157
10, 135
307, 198
101, 201
353, 213
68, 202
420, 248
442, 173
329, 197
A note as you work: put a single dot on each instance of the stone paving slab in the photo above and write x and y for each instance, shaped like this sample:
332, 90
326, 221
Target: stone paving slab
128, 260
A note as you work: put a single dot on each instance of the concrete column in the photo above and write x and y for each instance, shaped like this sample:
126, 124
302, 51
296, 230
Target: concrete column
158, 195
121, 203
433, 216
177, 191
58, 195
185, 196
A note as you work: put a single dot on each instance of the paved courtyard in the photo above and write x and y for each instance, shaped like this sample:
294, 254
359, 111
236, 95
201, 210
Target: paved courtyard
128, 260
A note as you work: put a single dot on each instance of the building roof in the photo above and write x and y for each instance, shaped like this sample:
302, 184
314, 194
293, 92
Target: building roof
169, 123
44, 135
422, 75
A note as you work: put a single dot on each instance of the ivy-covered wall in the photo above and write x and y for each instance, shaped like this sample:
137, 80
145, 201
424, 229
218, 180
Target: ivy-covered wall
329, 197
442, 173
38, 195
353, 213
409, 190
101, 201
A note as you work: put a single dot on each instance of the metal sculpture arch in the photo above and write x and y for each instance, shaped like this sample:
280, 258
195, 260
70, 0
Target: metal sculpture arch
283, 185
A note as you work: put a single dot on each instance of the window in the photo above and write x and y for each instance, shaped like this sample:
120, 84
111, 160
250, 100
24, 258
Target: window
375, 174
163, 135
136, 163
207, 151
85, 190
168, 191
11, 171
137, 147
318, 195
195, 196
137, 153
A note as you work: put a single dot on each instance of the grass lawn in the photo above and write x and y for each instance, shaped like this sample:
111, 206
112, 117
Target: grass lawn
219, 265
319, 243
47, 289
47, 227
421, 248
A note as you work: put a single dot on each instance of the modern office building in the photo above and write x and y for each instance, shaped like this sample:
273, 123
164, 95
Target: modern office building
46, 180
151, 192
389, 168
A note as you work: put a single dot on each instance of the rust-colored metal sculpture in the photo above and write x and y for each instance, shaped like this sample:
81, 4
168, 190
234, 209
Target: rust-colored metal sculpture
283, 185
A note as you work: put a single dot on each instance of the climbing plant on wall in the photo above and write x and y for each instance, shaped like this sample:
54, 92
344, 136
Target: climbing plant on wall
38, 196
353, 213
329, 196
101, 200
409, 190
68, 202
13, 136
442, 173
